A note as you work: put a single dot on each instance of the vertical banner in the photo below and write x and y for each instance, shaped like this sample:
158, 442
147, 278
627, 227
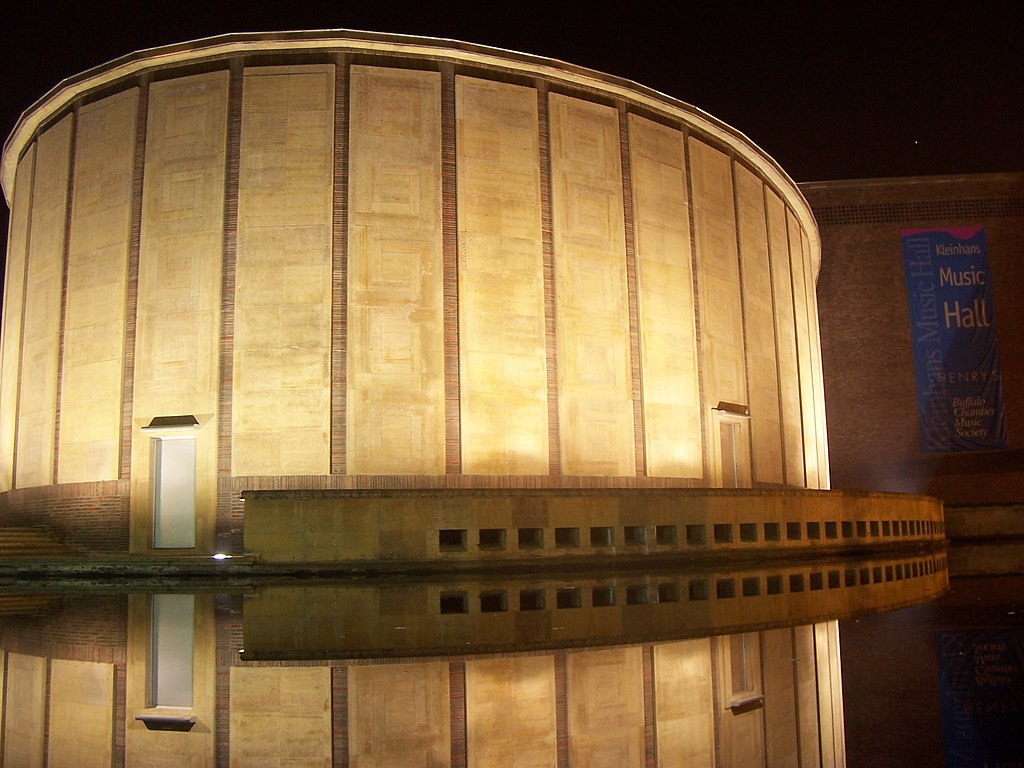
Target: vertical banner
956, 358
981, 682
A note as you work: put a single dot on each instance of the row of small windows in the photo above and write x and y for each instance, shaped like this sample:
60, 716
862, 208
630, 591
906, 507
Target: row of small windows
693, 590
456, 539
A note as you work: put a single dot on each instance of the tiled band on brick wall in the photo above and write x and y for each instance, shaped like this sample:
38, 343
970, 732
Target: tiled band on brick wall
884, 213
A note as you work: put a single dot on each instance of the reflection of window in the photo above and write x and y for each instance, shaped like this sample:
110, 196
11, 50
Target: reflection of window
171, 640
174, 492
739, 664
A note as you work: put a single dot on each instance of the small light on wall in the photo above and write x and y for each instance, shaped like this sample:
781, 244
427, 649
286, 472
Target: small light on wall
221, 556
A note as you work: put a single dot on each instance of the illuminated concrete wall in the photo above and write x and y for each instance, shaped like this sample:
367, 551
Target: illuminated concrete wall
396, 265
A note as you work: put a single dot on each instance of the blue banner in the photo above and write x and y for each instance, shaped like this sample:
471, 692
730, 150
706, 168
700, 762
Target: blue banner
952, 322
981, 682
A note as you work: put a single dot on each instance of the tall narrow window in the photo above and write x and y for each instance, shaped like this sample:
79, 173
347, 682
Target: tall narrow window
171, 642
174, 493
731, 445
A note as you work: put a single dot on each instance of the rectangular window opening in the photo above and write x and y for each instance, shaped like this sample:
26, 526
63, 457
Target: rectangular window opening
635, 535
602, 536
567, 538
696, 535
665, 534
492, 538
451, 539
531, 538
748, 532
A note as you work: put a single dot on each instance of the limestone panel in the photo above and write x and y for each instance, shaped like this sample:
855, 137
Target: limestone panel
684, 709
281, 717
91, 380
502, 360
13, 309
758, 311
395, 398
24, 718
510, 712
785, 335
41, 329
281, 377
718, 276
803, 297
170, 749
606, 707
177, 348
814, 329
399, 715
594, 380
81, 732
781, 734
668, 337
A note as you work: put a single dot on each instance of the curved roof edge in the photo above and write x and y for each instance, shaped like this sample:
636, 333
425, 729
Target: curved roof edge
342, 40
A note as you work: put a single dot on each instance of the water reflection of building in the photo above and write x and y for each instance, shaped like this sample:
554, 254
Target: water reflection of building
330, 271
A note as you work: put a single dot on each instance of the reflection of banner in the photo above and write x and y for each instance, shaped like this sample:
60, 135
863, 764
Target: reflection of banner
959, 393
981, 682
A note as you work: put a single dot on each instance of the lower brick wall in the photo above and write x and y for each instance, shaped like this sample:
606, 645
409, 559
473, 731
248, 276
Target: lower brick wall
89, 516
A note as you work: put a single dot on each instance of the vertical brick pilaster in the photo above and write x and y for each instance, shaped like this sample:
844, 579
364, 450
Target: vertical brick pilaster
70, 196
457, 699
550, 304
450, 232
339, 270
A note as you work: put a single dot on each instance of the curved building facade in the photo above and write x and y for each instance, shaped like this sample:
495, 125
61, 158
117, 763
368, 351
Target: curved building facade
339, 261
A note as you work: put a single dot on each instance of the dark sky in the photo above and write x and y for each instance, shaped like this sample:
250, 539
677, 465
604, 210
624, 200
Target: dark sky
830, 94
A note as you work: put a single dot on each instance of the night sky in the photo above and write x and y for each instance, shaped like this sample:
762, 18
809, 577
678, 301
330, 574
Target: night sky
830, 94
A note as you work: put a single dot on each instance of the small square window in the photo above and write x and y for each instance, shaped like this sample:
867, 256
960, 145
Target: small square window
492, 538
665, 534
814, 530
696, 534
723, 533
772, 532
847, 526
748, 532
602, 537
567, 538
793, 531
831, 530
531, 538
874, 528
635, 535
451, 539
862, 529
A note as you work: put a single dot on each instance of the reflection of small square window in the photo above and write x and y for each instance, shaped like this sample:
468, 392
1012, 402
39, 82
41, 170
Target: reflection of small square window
833, 579
725, 588
751, 586
637, 595
865, 576
568, 597
774, 585
602, 597
796, 582
876, 575
454, 602
531, 600
668, 592
698, 589
849, 578
493, 602
817, 580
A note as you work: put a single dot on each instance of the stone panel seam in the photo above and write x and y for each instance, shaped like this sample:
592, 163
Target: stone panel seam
550, 319
339, 270
62, 320
629, 221
131, 298
450, 255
